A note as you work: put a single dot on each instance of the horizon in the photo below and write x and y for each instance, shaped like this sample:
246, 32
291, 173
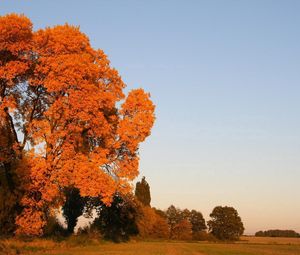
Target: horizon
224, 77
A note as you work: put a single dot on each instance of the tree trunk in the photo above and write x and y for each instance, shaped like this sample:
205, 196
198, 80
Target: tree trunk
8, 139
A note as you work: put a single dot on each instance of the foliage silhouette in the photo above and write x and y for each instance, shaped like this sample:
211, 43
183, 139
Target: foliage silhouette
142, 192
278, 233
117, 222
72, 208
225, 224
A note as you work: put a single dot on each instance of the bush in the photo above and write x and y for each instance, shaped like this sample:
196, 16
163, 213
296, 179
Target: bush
5, 249
54, 229
80, 240
204, 236
92, 233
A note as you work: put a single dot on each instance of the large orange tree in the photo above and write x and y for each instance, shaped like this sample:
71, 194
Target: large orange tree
64, 121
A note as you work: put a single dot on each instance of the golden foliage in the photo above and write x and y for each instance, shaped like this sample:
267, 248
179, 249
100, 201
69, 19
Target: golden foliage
150, 224
65, 96
182, 230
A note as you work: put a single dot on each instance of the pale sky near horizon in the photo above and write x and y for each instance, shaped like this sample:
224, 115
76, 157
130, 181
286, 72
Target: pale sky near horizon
225, 78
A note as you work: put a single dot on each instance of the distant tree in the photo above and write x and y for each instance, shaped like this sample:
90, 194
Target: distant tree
198, 223
186, 214
161, 213
278, 233
160, 228
117, 222
73, 208
177, 219
260, 233
174, 216
142, 192
145, 220
225, 224
182, 230
151, 224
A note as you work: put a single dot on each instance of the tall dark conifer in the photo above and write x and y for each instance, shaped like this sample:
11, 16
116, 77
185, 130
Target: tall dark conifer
73, 208
142, 192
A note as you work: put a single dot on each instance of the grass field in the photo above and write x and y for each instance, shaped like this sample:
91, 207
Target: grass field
247, 246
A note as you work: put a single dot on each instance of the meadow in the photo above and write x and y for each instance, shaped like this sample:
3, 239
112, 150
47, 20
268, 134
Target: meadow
247, 246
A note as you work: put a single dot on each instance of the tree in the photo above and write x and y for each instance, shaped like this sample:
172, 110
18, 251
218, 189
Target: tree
72, 208
142, 192
182, 230
9, 198
160, 212
225, 224
174, 216
160, 228
198, 224
185, 224
278, 233
151, 224
117, 222
15, 37
186, 214
64, 97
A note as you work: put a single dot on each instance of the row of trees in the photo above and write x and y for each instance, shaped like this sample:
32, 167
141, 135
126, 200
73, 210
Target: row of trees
130, 215
69, 138
225, 223
277, 233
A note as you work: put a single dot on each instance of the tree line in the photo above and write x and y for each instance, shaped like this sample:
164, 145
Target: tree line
277, 233
132, 215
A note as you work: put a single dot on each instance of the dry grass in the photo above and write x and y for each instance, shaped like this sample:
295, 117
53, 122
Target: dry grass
82, 246
270, 240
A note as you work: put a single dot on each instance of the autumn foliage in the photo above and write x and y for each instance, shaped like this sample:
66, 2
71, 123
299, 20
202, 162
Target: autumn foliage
150, 224
77, 127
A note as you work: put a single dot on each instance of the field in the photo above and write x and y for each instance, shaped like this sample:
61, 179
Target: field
247, 246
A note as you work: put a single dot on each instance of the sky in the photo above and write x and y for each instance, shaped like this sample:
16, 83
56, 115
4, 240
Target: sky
225, 79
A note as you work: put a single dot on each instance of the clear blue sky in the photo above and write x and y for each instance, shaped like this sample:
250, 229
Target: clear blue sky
225, 77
